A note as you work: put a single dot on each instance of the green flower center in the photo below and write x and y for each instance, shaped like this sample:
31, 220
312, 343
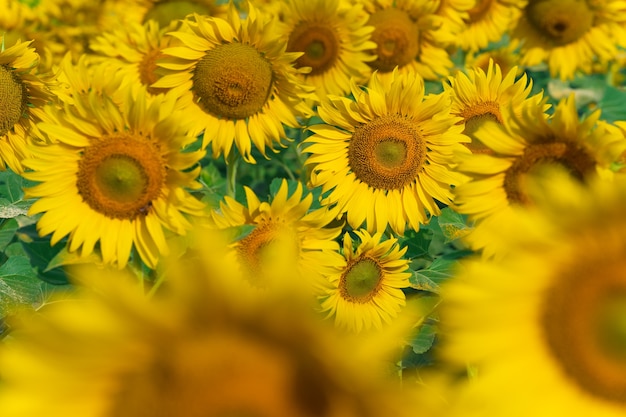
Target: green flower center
165, 12
397, 38
566, 154
12, 99
584, 323
120, 176
387, 153
561, 21
361, 281
232, 81
319, 43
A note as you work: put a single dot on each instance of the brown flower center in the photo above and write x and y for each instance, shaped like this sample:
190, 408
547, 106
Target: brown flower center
319, 43
149, 71
569, 155
232, 81
584, 322
397, 38
12, 99
479, 10
561, 21
387, 153
120, 176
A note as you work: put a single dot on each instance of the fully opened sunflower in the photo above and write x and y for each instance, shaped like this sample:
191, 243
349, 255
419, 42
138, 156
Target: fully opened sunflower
384, 158
117, 177
334, 39
366, 290
570, 35
236, 82
23, 93
480, 96
287, 238
547, 322
409, 35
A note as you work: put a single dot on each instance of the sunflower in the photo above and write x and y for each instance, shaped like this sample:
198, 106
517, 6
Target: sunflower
506, 57
236, 81
546, 322
409, 35
287, 239
384, 157
366, 290
190, 351
133, 51
570, 35
334, 39
165, 14
23, 94
487, 22
114, 176
520, 147
480, 96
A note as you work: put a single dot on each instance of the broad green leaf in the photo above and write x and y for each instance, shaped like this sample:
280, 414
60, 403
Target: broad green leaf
453, 225
41, 253
19, 284
423, 338
436, 273
7, 232
612, 104
64, 257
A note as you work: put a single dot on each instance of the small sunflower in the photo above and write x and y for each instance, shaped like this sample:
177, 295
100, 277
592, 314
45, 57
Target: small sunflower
506, 57
366, 290
547, 322
235, 81
409, 35
23, 94
384, 158
487, 22
570, 35
133, 51
334, 39
115, 176
287, 239
481, 96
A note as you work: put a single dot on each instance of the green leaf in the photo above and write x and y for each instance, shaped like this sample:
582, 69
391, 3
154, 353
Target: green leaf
417, 243
41, 254
19, 284
612, 104
423, 338
453, 225
8, 228
431, 277
64, 257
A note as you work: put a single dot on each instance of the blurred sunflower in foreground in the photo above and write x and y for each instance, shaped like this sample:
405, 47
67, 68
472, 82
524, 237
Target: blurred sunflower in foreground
235, 82
547, 322
192, 350
23, 93
114, 176
384, 157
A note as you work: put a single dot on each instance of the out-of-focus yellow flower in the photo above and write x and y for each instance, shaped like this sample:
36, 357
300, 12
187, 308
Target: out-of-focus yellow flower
487, 22
192, 350
570, 35
547, 321
165, 14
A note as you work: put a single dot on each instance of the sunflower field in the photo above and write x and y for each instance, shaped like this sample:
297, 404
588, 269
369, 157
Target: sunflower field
312, 208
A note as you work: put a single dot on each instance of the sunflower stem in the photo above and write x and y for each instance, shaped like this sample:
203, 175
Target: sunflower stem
232, 162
